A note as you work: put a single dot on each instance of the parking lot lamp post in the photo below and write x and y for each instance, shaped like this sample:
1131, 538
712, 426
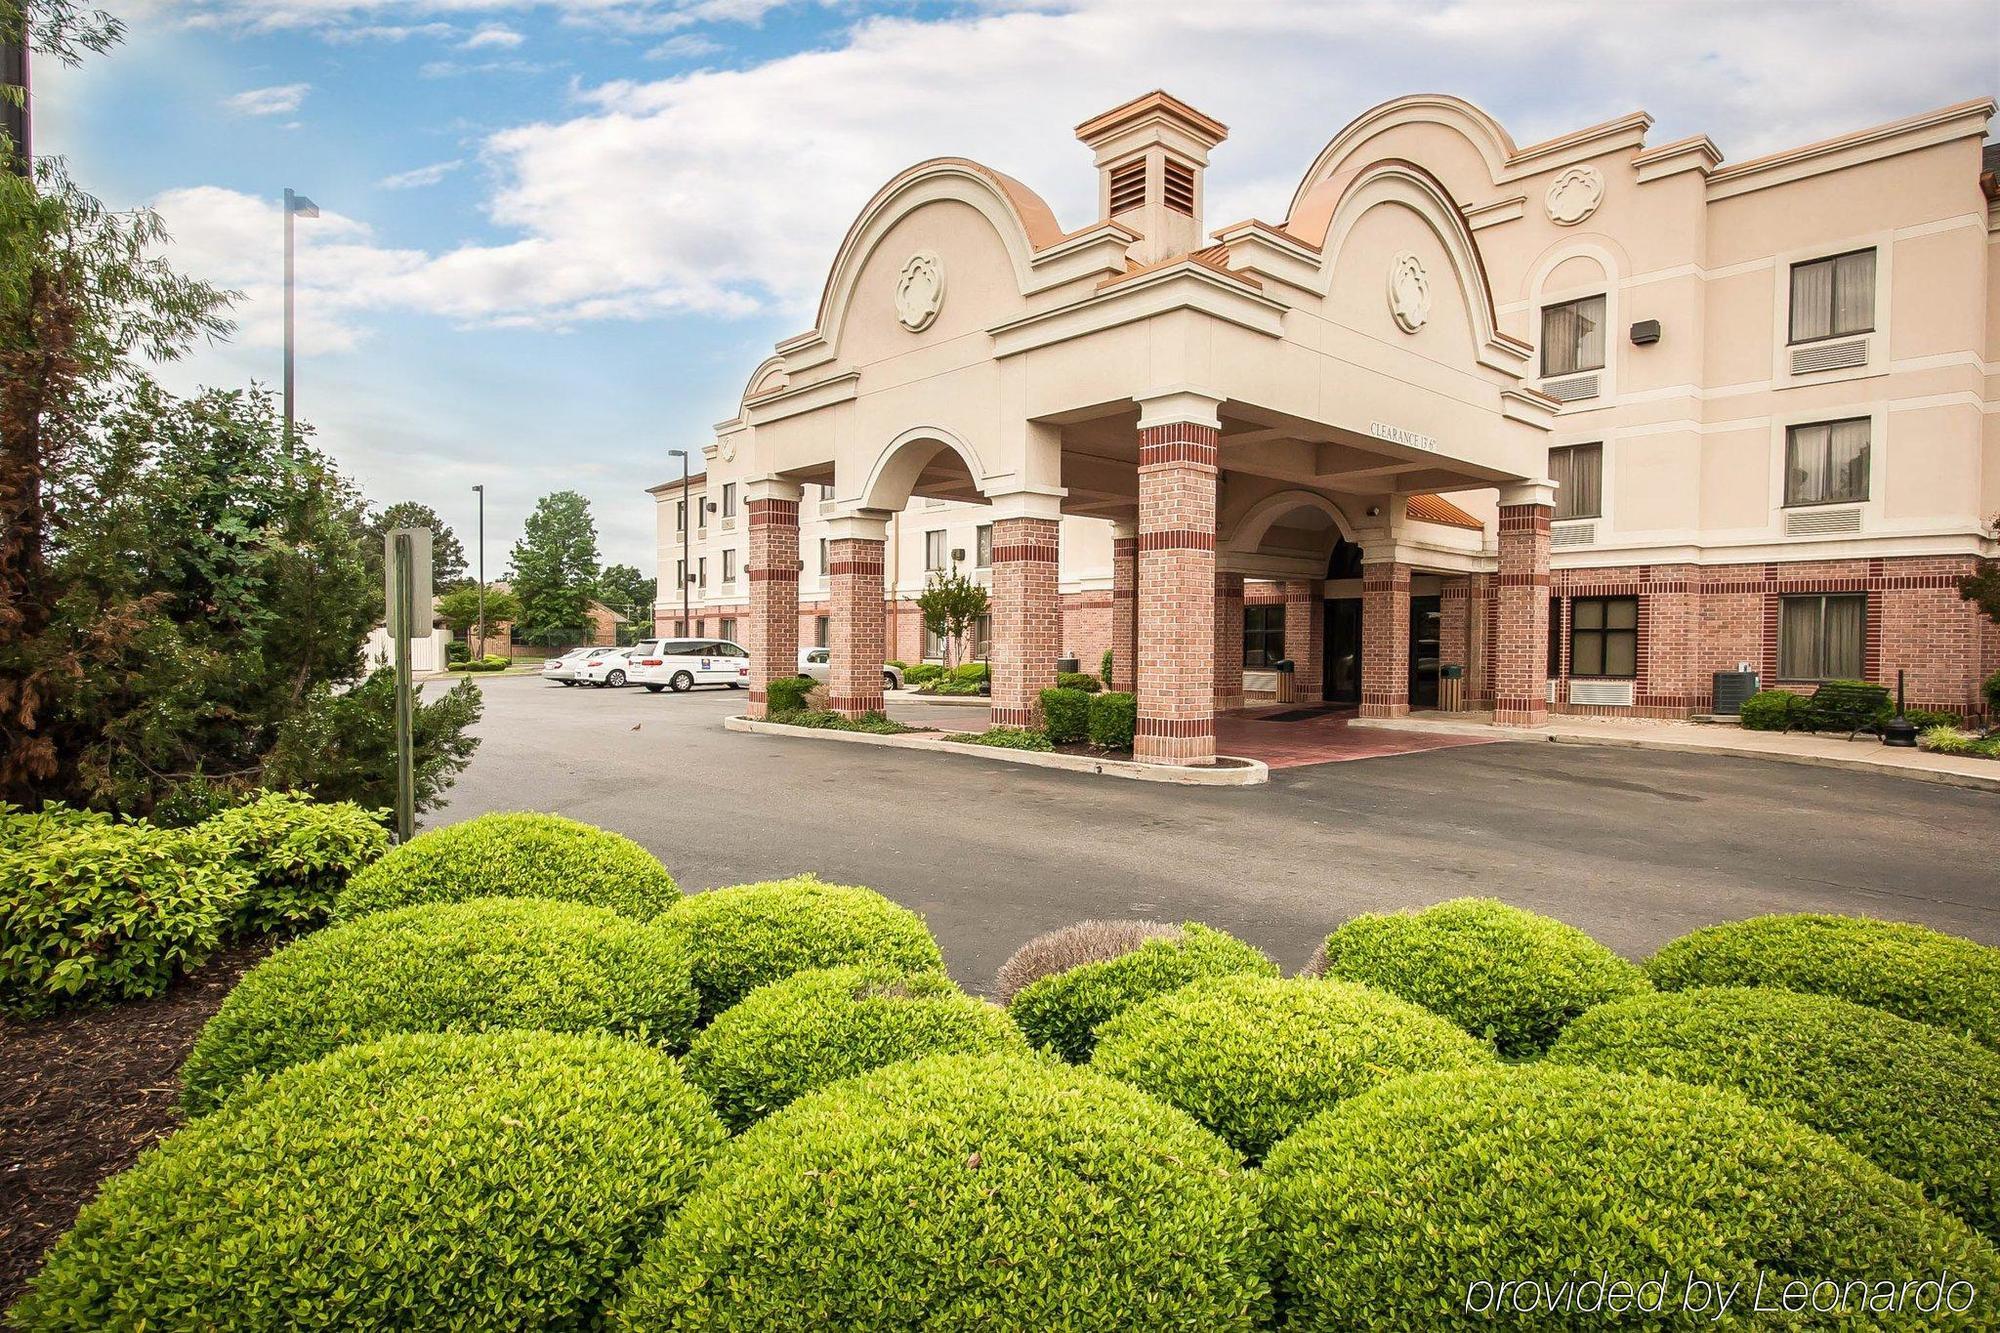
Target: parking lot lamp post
687, 524
296, 206
481, 489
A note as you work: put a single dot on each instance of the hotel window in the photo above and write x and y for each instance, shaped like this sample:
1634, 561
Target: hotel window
728, 629
729, 567
1821, 637
1573, 337
680, 516
701, 516
825, 492
982, 638
1578, 471
822, 627
680, 579
1263, 635
982, 545
1826, 462
824, 562
1833, 297
729, 499
934, 550
933, 645
701, 571
1604, 637
1555, 636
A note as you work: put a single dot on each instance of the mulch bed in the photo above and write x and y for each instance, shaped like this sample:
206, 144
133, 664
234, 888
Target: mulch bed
82, 1093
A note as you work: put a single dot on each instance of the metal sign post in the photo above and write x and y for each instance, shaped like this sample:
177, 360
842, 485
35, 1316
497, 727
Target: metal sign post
406, 569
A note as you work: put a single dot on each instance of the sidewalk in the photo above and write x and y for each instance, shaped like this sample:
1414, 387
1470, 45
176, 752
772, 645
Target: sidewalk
1864, 754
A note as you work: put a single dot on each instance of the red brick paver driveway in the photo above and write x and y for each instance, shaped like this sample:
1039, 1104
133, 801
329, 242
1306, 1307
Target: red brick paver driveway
1281, 740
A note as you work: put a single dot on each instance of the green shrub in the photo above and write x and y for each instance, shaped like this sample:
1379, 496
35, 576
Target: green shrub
898, 663
1253, 1058
1910, 971
1008, 738
19, 828
1066, 715
1922, 1104
1406, 1207
1061, 1013
487, 664
948, 686
1946, 740
1923, 719
786, 694
482, 965
108, 911
1509, 976
422, 1181
1104, 669
457, 651
1776, 710
195, 799
922, 672
514, 856
1846, 705
1114, 718
1072, 946
814, 1028
750, 935
300, 853
962, 1192
1078, 680
974, 672
1989, 689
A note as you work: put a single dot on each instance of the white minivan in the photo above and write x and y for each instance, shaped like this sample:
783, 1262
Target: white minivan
682, 664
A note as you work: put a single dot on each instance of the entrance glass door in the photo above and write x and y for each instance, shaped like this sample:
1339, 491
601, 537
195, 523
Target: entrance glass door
1425, 633
1343, 650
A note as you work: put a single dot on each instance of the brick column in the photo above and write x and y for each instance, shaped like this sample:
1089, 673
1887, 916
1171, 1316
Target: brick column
1124, 605
1305, 638
1026, 617
1177, 500
1228, 642
1521, 647
1455, 635
1385, 639
772, 568
856, 646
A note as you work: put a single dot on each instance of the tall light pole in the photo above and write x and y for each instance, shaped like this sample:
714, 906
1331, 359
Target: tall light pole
296, 206
687, 527
481, 489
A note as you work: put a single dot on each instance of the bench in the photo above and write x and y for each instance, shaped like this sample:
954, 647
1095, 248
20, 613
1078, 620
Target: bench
1852, 706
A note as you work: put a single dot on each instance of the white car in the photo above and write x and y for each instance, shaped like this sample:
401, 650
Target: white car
681, 664
813, 662
604, 667
562, 670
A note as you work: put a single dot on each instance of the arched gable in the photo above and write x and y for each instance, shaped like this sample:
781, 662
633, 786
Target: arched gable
1248, 535
1312, 204
894, 473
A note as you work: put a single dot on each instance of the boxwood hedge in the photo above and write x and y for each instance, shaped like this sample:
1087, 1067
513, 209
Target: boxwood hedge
500, 1181
484, 964
1253, 1058
514, 856
744, 937
1921, 1103
1061, 1013
300, 853
1072, 946
1908, 970
1510, 976
1406, 1207
806, 1031
962, 1192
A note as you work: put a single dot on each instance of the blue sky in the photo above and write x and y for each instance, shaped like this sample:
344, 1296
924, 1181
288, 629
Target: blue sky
558, 234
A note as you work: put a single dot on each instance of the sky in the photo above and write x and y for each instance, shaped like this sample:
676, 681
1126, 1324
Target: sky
557, 235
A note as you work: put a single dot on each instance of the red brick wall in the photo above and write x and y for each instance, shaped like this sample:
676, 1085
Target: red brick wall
1085, 629
1521, 643
856, 644
1176, 657
1026, 617
1124, 611
771, 630
1305, 638
1228, 641
1385, 639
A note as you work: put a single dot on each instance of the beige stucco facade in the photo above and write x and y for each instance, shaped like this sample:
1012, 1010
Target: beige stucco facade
974, 363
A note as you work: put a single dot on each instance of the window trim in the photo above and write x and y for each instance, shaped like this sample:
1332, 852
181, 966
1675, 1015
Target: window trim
1874, 305
1854, 594
1603, 632
1542, 333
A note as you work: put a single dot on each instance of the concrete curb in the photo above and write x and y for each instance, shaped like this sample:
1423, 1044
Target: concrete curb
948, 700
1936, 776
1251, 772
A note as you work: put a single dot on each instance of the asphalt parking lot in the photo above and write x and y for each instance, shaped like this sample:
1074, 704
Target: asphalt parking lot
1635, 847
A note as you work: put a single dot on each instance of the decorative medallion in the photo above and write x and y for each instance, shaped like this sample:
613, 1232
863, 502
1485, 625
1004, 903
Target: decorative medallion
1409, 292
728, 449
1574, 195
920, 291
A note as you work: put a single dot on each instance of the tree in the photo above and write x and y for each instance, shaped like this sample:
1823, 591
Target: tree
447, 555
1982, 586
951, 604
342, 747
555, 571
459, 608
626, 591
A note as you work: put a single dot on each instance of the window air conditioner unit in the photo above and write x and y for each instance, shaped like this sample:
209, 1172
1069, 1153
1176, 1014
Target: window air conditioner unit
1603, 693
1839, 355
1821, 522
1572, 534
1571, 388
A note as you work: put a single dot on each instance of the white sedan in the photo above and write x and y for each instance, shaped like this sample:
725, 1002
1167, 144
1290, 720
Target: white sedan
813, 662
681, 664
562, 670
604, 667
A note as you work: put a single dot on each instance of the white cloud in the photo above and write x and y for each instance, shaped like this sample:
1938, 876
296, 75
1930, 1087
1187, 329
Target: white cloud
419, 177
685, 46
280, 100
493, 37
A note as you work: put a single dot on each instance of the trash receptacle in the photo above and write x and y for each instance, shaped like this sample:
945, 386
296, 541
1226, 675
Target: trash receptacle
1451, 688
1287, 684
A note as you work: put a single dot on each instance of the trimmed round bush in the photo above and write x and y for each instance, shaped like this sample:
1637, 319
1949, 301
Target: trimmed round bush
962, 1192
300, 854
97, 911
1253, 1058
1910, 971
815, 1028
1406, 1207
747, 936
514, 856
1512, 977
1085, 942
1061, 1013
422, 1181
1921, 1103
482, 965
